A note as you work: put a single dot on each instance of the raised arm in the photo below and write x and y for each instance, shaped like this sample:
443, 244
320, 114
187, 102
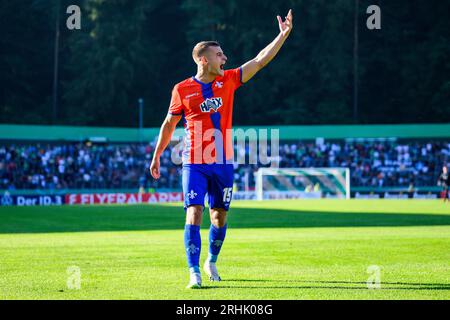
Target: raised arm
165, 134
250, 68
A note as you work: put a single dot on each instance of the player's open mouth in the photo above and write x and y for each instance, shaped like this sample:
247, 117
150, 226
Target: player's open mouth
221, 66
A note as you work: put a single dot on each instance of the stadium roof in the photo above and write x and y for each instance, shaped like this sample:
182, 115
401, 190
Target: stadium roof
73, 133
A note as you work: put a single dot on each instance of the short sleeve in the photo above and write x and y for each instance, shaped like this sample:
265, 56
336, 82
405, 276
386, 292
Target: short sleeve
235, 75
176, 105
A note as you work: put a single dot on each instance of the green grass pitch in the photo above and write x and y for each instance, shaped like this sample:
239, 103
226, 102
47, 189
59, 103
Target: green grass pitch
310, 249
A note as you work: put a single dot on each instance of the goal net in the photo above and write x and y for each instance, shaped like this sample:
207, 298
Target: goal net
290, 183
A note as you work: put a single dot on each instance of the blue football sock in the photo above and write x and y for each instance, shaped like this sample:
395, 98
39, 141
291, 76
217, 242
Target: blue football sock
192, 243
216, 238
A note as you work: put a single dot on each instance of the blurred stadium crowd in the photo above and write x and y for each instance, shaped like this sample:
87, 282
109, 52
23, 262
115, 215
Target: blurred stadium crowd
114, 166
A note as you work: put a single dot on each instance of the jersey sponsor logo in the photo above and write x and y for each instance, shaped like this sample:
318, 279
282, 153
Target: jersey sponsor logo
191, 95
211, 103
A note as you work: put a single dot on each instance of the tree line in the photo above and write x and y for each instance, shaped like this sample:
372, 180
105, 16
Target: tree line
126, 50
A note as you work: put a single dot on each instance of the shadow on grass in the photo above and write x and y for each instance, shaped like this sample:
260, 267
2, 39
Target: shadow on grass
346, 285
160, 217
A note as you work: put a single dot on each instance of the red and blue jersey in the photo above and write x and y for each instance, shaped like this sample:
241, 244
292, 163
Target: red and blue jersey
207, 110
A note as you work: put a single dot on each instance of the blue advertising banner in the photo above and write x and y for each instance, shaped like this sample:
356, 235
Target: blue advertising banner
31, 200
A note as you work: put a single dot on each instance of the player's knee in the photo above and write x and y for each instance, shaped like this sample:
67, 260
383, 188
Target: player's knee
194, 215
218, 217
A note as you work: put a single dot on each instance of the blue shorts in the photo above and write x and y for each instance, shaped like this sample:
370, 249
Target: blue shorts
214, 179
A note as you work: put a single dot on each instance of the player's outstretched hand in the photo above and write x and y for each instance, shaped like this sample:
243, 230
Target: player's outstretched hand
154, 169
286, 25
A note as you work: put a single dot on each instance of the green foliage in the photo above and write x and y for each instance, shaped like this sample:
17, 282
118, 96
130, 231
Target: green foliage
126, 50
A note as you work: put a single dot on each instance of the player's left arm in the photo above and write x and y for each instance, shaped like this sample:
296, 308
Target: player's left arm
250, 68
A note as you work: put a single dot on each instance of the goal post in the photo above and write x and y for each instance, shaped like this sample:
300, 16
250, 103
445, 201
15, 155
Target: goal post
287, 183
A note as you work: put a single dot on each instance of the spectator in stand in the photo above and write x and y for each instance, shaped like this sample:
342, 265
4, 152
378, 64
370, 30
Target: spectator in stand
75, 166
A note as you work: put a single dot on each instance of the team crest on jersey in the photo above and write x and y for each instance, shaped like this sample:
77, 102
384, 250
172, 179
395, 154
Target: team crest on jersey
211, 103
